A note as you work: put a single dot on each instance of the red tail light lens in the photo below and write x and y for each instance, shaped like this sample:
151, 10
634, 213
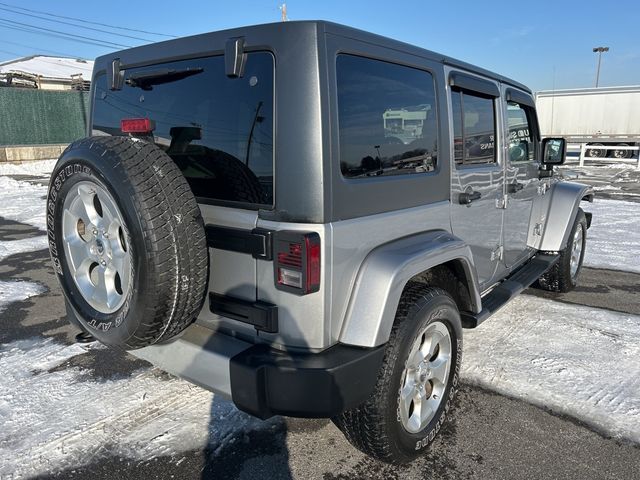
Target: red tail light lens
313, 263
137, 125
297, 265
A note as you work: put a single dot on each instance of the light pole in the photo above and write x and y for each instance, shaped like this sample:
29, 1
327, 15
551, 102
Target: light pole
599, 50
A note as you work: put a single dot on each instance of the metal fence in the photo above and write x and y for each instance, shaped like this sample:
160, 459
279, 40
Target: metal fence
578, 153
36, 117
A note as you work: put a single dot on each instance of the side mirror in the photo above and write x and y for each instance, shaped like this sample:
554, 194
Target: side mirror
554, 151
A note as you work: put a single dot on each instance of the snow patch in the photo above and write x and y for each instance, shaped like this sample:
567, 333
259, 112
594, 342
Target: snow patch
606, 188
23, 202
57, 420
40, 168
16, 292
577, 361
13, 247
613, 241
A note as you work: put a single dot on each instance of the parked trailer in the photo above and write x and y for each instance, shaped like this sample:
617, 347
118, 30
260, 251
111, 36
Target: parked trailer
604, 122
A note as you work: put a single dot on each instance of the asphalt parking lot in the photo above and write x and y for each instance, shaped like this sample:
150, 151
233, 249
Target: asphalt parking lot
490, 436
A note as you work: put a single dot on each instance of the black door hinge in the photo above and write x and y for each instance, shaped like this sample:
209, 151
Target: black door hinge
257, 242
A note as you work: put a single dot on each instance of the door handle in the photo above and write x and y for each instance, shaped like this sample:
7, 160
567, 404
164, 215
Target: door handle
465, 198
514, 187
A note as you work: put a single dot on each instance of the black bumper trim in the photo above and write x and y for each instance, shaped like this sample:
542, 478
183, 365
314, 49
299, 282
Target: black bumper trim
267, 382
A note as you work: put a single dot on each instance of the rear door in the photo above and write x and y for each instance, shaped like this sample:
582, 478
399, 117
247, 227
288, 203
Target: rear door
523, 186
477, 176
219, 131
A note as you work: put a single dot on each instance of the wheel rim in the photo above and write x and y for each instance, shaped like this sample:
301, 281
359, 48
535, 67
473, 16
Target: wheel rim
96, 246
424, 379
621, 153
576, 252
596, 152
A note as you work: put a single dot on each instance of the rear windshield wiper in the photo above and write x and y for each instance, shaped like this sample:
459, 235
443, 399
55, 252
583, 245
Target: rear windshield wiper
146, 80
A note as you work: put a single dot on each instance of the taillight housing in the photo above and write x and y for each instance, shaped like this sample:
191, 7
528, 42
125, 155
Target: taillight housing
297, 262
137, 125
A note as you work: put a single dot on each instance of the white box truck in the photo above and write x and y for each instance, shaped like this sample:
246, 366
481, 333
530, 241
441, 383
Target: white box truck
593, 118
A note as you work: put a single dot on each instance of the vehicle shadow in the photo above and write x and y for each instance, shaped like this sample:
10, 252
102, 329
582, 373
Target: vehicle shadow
242, 446
251, 449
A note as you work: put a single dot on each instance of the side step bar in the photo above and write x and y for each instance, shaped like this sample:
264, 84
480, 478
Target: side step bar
509, 288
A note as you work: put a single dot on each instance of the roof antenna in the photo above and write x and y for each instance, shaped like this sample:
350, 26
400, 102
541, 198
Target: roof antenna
283, 9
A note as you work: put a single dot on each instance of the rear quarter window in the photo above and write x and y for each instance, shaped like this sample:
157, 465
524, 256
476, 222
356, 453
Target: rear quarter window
387, 118
218, 130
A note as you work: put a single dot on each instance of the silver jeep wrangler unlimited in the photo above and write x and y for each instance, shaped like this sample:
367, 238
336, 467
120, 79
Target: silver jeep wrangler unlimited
303, 217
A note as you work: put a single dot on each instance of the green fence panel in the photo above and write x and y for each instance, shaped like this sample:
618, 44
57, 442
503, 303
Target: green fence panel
32, 117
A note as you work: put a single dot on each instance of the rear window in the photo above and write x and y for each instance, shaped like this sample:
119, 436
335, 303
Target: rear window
218, 130
387, 118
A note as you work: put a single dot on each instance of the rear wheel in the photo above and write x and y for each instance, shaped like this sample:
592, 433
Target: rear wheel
416, 383
563, 275
622, 154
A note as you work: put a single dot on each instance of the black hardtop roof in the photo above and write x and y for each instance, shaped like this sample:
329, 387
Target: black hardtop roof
340, 30
345, 31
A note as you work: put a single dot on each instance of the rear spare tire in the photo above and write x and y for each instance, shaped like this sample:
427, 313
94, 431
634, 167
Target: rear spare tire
127, 241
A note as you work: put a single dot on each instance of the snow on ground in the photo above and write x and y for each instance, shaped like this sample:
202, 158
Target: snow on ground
60, 419
577, 361
597, 165
16, 291
40, 168
23, 202
13, 247
613, 241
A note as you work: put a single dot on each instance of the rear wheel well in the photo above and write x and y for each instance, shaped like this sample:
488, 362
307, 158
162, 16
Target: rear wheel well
450, 277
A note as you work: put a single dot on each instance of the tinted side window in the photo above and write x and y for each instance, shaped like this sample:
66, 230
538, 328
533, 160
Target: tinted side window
218, 130
521, 145
387, 118
474, 128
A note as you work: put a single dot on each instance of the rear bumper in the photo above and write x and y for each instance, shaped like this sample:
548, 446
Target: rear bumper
263, 381
267, 382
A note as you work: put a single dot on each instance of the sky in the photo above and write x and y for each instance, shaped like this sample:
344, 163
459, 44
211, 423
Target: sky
543, 44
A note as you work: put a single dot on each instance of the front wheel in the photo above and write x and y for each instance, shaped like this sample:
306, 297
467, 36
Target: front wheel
596, 152
563, 275
417, 380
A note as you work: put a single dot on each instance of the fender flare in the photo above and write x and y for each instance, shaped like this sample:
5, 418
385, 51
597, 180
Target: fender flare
562, 210
384, 274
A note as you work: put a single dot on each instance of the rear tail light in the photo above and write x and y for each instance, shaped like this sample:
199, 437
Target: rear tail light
297, 262
137, 125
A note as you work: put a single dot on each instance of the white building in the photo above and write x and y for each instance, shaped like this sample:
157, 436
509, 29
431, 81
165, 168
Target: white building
46, 73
